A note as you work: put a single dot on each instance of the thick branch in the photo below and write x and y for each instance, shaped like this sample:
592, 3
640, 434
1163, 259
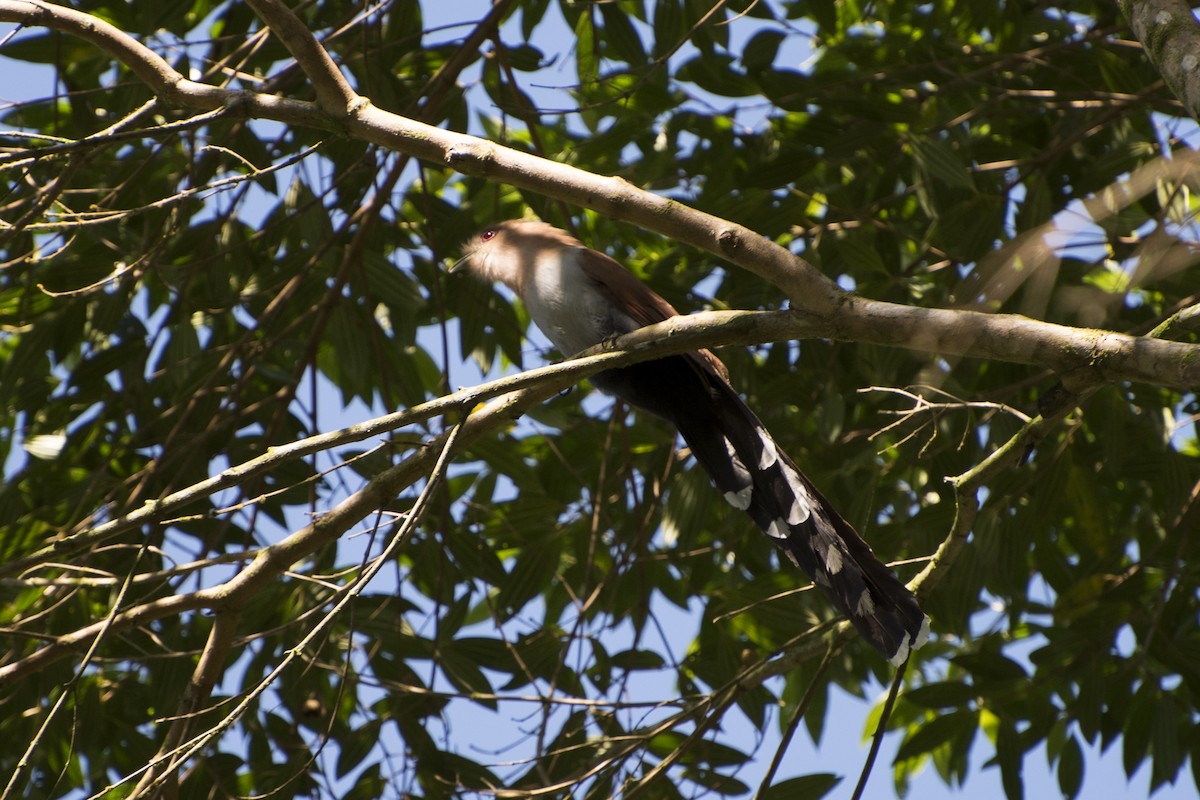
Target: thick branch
1098, 355
1170, 34
613, 197
208, 670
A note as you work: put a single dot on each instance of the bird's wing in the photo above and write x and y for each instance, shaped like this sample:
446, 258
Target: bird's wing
641, 303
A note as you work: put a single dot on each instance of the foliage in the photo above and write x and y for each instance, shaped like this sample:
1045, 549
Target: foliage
186, 291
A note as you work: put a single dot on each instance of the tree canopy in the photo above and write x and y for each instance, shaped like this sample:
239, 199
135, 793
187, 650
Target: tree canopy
256, 540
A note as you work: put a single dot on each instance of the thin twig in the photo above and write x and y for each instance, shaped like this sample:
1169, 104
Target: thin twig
101, 634
181, 755
797, 715
880, 729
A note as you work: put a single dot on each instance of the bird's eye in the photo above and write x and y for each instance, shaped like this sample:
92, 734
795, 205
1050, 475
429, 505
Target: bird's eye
488, 234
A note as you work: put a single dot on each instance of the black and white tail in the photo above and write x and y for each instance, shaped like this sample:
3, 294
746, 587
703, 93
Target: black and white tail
757, 477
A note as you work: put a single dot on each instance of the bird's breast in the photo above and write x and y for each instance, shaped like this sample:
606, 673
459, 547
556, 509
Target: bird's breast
565, 304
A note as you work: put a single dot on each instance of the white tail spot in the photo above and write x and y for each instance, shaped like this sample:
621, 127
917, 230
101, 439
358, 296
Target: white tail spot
803, 502
738, 467
833, 560
923, 636
740, 499
768, 456
797, 513
901, 653
866, 606
778, 529
729, 449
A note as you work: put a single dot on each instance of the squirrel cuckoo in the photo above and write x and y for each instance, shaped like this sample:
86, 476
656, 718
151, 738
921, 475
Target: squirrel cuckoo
580, 297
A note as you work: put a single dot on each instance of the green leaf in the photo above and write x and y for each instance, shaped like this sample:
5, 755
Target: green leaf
1139, 727
368, 784
942, 694
587, 62
715, 781
938, 160
806, 787
937, 732
761, 51
465, 674
668, 26
532, 574
714, 73
1070, 768
524, 57
352, 751
344, 357
637, 660
1010, 755
699, 751
1164, 743
621, 36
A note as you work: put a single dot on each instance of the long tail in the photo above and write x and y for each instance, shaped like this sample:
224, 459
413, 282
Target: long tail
757, 477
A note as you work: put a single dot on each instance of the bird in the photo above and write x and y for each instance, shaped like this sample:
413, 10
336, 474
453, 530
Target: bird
580, 297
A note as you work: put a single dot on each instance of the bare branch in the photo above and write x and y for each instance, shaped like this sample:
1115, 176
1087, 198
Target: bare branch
334, 93
171, 758
154, 71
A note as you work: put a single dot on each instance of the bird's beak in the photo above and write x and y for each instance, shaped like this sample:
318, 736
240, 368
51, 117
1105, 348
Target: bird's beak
460, 265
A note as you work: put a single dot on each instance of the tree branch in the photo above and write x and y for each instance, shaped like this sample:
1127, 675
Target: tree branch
155, 72
170, 758
614, 197
1170, 34
273, 560
821, 309
334, 93
1099, 355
